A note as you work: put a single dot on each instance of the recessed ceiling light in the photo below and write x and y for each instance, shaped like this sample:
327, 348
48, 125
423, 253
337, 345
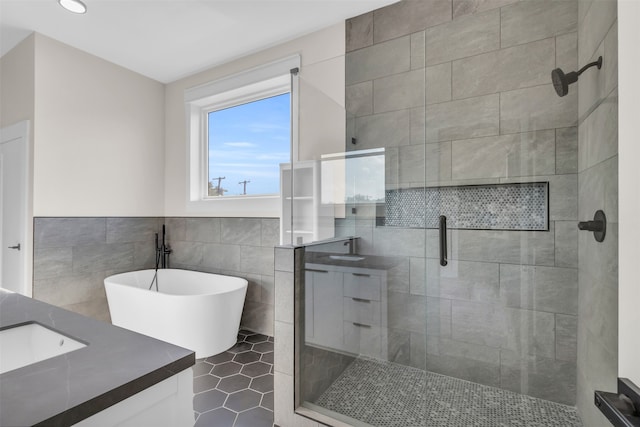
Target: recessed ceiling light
75, 6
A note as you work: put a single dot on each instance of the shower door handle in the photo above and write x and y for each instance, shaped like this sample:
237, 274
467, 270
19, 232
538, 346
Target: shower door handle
443, 240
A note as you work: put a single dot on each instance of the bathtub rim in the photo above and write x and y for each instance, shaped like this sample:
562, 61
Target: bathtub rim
244, 283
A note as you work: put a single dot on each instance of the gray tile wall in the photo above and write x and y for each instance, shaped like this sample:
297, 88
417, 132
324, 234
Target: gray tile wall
462, 95
72, 256
241, 247
597, 339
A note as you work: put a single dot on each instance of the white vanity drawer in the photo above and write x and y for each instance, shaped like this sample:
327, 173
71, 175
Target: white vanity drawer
364, 286
362, 339
361, 311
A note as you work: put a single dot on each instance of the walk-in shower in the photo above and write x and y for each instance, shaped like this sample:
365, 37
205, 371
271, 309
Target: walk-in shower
461, 178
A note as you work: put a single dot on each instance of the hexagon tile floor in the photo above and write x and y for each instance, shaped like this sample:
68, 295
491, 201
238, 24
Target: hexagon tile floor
235, 388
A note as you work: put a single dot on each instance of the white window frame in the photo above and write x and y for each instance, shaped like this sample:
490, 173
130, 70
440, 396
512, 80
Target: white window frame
257, 83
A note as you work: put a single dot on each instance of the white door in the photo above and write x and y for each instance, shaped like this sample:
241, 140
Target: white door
13, 207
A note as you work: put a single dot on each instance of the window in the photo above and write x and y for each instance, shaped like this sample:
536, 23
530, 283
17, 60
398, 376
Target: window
239, 132
246, 144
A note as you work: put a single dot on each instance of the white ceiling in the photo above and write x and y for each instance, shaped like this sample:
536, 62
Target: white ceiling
170, 39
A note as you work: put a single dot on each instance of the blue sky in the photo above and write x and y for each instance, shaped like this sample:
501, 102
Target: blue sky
248, 142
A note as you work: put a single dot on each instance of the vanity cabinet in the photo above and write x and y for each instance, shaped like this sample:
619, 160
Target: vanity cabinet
346, 309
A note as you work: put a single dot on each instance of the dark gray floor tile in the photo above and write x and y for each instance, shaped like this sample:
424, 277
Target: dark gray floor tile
263, 347
201, 368
255, 369
256, 417
208, 400
243, 400
204, 383
267, 358
262, 384
226, 369
246, 357
267, 400
218, 418
220, 358
256, 338
240, 347
234, 383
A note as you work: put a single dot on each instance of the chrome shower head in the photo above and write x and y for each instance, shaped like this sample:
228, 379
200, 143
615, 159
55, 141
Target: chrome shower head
561, 81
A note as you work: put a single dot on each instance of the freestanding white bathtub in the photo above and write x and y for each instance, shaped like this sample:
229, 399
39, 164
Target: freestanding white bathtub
198, 311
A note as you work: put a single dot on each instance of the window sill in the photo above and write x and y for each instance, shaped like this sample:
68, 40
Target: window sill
250, 207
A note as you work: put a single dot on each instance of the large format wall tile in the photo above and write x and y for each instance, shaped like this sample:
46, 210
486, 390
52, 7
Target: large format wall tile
466, 36
538, 376
523, 154
382, 130
466, 118
399, 91
566, 243
567, 52
61, 232
379, 60
467, 7
417, 50
512, 247
405, 17
359, 32
523, 331
527, 21
52, 262
359, 99
566, 337
535, 108
597, 84
125, 230
112, 256
505, 69
464, 280
593, 28
549, 289
241, 231
567, 150
598, 134
438, 83
202, 230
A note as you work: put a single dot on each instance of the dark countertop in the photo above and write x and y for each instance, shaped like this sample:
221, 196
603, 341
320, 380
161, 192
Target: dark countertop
373, 262
66, 389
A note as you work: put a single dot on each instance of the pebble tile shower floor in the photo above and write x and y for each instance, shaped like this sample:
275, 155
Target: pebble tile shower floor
235, 388
386, 394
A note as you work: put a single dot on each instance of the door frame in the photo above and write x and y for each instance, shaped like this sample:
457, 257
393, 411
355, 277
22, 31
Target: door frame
21, 130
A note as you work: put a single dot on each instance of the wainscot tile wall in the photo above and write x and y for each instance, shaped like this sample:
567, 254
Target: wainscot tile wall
72, 256
459, 93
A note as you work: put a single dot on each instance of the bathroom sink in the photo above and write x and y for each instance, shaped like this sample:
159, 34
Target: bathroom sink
346, 257
31, 343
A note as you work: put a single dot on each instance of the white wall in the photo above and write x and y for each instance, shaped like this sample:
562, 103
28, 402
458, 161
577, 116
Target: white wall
322, 122
98, 136
629, 192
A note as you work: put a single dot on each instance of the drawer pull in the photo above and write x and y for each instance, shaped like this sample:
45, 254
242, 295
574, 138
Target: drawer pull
316, 271
361, 325
361, 275
361, 300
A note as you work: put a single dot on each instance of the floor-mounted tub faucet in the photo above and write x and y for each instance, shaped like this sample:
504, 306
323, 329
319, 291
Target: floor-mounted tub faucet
162, 251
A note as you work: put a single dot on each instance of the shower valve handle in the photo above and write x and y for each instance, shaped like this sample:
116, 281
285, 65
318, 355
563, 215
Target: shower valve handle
591, 225
598, 225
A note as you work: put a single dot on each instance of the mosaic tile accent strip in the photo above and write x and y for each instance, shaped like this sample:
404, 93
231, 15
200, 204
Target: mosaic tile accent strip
385, 394
521, 206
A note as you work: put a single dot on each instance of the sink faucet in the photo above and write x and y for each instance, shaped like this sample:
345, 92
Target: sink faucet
351, 243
